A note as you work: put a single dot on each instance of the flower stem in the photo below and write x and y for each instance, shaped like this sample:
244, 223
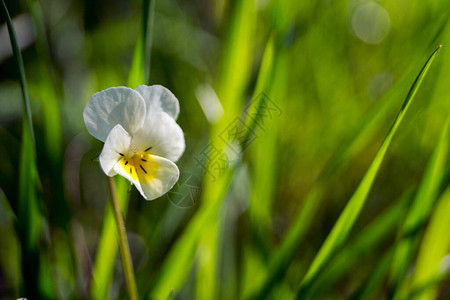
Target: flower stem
123, 242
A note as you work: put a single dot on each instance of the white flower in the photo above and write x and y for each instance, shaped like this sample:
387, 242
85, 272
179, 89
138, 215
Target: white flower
142, 138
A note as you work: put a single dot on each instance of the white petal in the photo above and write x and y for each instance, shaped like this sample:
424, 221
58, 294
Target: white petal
154, 178
117, 105
163, 134
165, 178
158, 98
116, 144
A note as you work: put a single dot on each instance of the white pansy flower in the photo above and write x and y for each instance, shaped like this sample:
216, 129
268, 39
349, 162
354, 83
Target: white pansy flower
142, 139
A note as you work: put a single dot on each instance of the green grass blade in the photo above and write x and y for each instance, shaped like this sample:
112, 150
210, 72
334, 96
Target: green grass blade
435, 245
48, 98
344, 224
147, 25
431, 284
48, 94
264, 145
29, 221
232, 80
362, 135
140, 66
45, 89
179, 260
30, 225
231, 83
23, 81
416, 218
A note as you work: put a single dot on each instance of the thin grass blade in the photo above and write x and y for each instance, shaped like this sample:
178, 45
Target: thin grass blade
22, 78
362, 135
29, 218
344, 224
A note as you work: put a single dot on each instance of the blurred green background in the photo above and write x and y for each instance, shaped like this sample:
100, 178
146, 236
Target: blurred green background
326, 78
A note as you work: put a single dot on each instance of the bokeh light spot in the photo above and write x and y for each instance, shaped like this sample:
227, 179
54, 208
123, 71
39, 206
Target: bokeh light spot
371, 22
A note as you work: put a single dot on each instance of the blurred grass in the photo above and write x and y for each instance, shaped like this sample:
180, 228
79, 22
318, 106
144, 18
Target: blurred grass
434, 247
29, 224
261, 219
417, 216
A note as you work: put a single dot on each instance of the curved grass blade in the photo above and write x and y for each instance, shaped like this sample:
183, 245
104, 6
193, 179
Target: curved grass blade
29, 219
23, 81
344, 224
362, 135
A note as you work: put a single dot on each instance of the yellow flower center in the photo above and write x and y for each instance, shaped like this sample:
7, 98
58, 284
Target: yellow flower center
141, 166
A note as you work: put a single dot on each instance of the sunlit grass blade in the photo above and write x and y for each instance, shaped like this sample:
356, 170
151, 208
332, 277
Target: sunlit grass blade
416, 218
140, 66
264, 145
436, 281
232, 80
434, 247
263, 124
362, 135
107, 249
259, 207
179, 260
48, 94
344, 224
231, 83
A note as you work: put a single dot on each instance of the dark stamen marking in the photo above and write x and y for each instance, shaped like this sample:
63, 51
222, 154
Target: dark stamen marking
143, 159
148, 149
95, 158
126, 163
131, 170
121, 154
143, 169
